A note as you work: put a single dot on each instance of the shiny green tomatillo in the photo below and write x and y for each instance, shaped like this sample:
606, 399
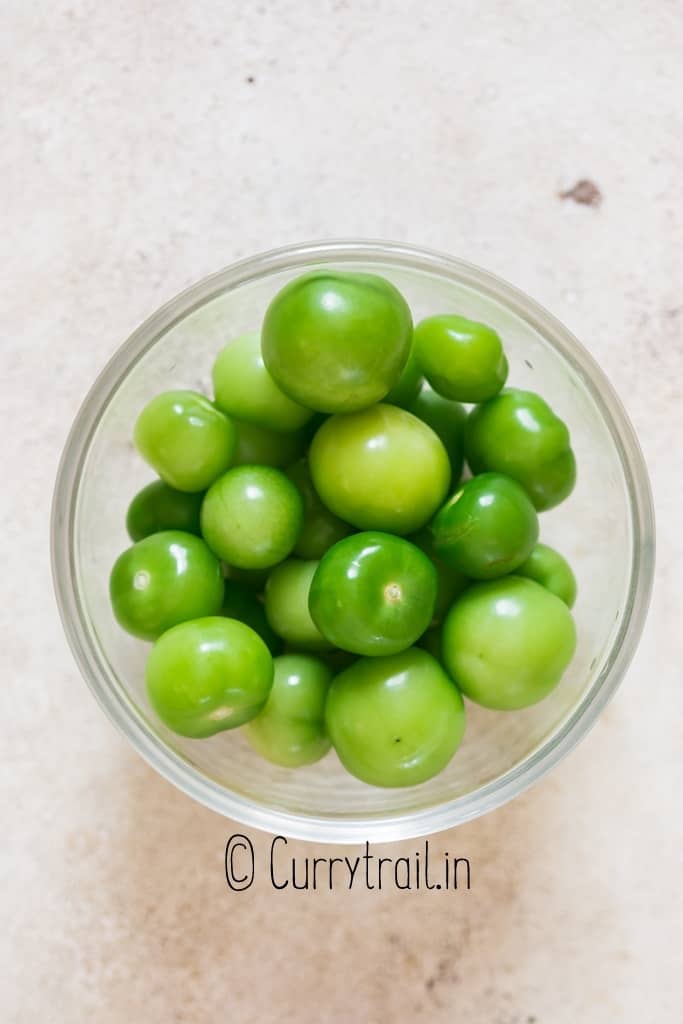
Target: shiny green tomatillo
518, 434
508, 642
395, 721
165, 579
186, 439
243, 388
286, 603
380, 469
252, 517
208, 675
487, 528
336, 341
290, 730
373, 594
462, 359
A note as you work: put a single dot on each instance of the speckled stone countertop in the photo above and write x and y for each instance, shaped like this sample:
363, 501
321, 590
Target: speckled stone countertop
146, 145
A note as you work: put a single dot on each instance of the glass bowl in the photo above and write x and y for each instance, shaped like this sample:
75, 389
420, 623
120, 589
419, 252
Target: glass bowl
606, 530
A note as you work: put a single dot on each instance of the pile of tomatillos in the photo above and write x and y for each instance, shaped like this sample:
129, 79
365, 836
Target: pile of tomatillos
310, 564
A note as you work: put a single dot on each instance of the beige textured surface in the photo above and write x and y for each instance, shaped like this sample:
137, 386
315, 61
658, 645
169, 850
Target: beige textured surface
137, 156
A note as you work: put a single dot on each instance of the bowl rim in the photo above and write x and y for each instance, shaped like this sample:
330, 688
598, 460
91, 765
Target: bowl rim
349, 829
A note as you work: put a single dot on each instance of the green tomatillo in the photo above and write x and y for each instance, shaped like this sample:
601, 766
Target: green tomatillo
241, 603
487, 528
208, 675
186, 439
162, 580
395, 721
507, 642
290, 730
518, 434
321, 528
286, 604
160, 507
549, 568
450, 582
380, 469
447, 420
252, 517
259, 446
336, 341
243, 388
407, 387
462, 359
373, 594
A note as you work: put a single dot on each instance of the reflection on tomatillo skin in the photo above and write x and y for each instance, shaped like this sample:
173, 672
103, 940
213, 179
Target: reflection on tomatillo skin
518, 434
508, 642
395, 721
373, 594
487, 528
165, 579
208, 675
336, 341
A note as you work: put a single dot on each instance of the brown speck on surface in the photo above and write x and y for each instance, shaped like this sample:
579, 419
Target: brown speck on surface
445, 974
585, 192
250, 79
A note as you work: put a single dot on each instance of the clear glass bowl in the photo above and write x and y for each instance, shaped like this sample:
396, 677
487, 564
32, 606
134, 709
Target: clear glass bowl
606, 529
